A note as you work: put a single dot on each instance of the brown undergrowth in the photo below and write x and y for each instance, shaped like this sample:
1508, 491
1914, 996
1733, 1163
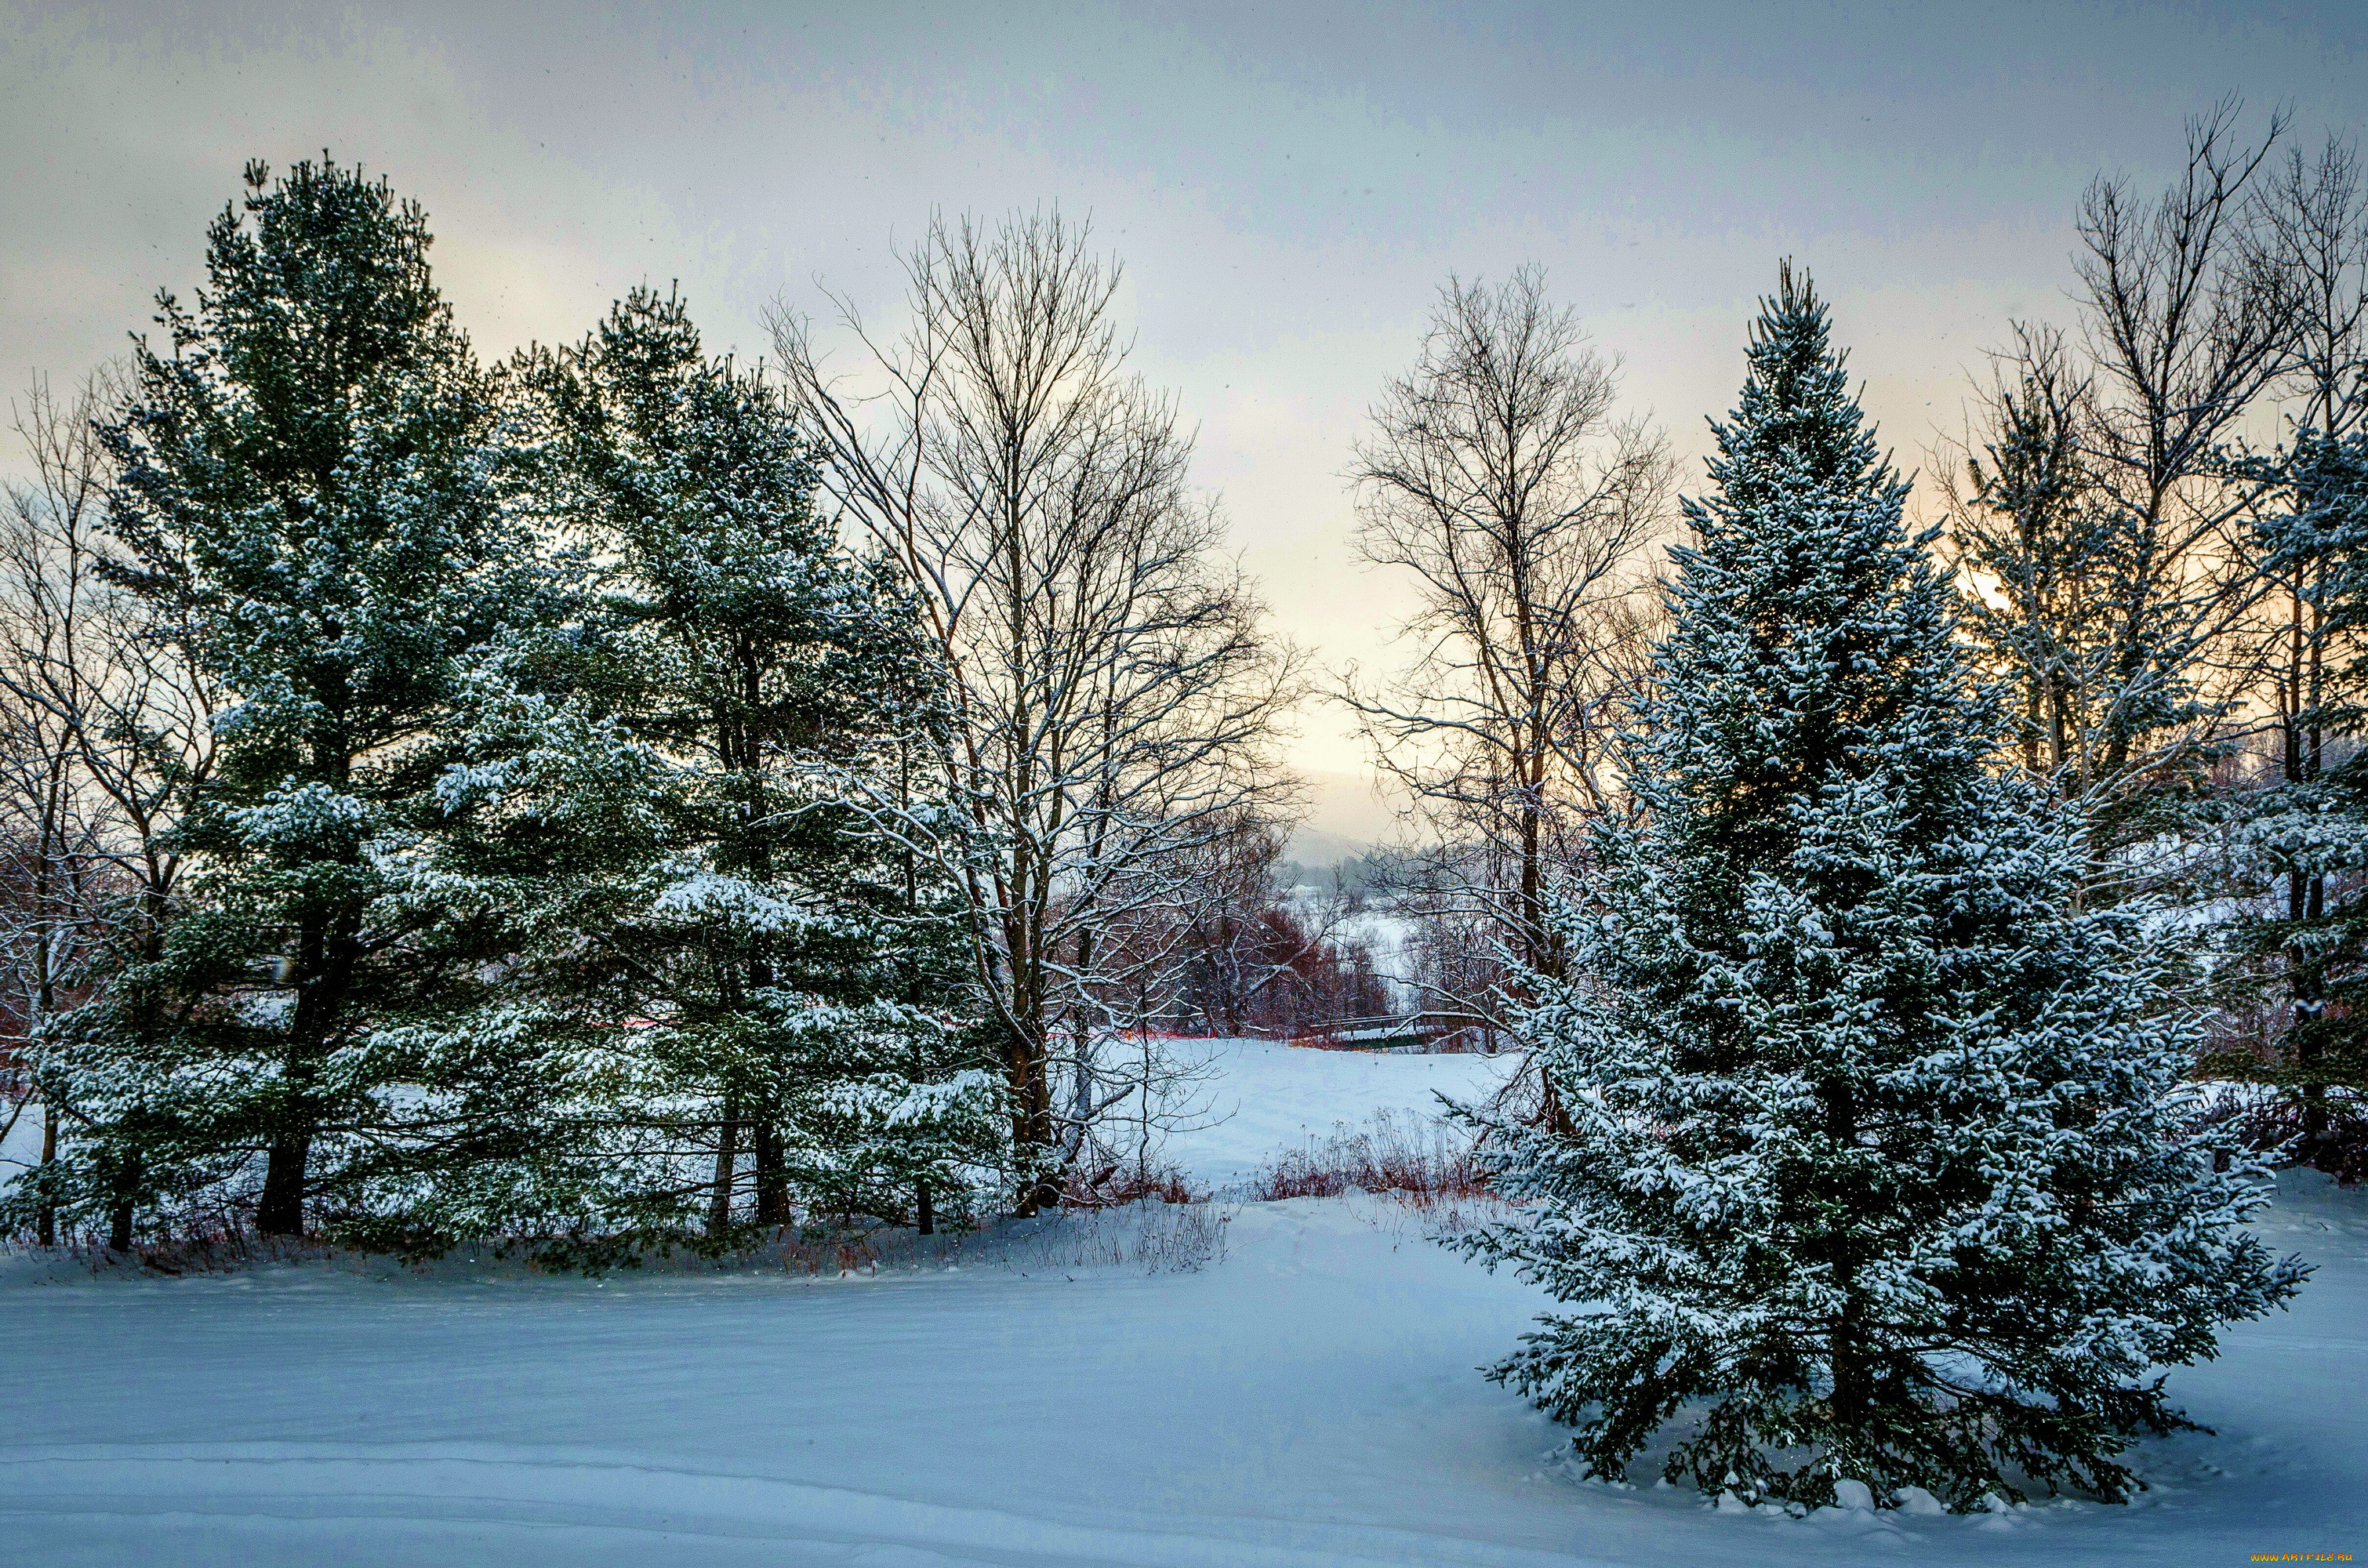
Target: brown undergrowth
1116, 1185
1420, 1162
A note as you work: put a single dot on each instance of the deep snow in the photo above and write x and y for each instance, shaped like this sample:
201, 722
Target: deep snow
1309, 1399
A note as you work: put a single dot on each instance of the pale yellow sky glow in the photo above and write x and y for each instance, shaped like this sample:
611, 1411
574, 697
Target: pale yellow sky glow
1286, 186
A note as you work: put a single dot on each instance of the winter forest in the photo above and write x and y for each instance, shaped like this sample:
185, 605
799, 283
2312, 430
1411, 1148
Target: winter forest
618, 861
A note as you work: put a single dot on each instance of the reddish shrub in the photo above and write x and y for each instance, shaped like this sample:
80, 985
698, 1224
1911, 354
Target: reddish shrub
815, 1253
1117, 1185
1419, 1162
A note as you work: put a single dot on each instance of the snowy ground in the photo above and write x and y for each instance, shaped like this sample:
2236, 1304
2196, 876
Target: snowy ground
1261, 1097
20, 1137
1308, 1399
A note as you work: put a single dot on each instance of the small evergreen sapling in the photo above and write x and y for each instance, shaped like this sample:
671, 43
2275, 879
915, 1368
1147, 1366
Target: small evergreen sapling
1868, 1160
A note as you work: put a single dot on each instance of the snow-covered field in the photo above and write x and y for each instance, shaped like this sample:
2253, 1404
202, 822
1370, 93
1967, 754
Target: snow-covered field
1307, 1399
1260, 1098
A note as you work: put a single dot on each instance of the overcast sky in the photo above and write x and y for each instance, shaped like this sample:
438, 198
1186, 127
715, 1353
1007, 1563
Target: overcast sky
1286, 184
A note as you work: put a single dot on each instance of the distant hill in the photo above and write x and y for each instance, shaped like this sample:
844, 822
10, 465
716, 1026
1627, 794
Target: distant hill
1346, 818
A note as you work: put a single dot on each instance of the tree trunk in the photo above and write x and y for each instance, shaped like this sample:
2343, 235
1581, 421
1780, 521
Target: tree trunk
772, 1173
46, 1219
1040, 1182
1846, 1341
45, 1006
1533, 922
120, 1211
325, 969
2306, 894
727, 1160
281, 1211
1552, 1115
2314, 1104
925, 1217
1853, 1389
2310, 1006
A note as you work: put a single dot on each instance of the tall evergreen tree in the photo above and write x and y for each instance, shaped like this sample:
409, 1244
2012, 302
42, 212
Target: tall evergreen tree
1871, 1159
704, 959
308, 495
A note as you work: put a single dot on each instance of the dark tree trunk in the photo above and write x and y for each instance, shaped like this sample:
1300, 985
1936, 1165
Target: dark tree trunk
1552, 1115
120, 1211
325, 960
727, 1160
2306, 902
925, 1217
1846, 1341
1040, 1178
1534, 953
45, 1223
281, 1211
1853, 1386
772, 1174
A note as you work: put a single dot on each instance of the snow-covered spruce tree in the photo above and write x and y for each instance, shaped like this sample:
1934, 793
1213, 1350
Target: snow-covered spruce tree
719, 998
306, 495
1866, 1157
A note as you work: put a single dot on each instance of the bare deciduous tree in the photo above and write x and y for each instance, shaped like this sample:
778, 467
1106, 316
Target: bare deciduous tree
108, 728
1112, 693
1247, 954
2315, 215
2102, 508
52, 843
1500, 477
2316, 210
2188, 321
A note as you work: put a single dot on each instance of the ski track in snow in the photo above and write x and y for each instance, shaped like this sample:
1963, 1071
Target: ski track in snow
1311, 1400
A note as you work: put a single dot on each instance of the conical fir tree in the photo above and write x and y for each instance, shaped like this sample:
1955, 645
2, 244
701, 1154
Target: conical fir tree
1869, 1161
